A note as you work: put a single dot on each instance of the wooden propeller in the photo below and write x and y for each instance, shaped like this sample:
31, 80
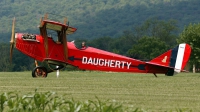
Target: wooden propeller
12, 40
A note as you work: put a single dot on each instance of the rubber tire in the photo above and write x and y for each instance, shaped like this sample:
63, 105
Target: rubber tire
39, 74
170, 72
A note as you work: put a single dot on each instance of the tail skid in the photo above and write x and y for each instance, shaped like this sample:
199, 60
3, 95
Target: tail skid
175, 59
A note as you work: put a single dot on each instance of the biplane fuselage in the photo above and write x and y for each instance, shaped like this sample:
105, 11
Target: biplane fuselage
89, 58
61, 52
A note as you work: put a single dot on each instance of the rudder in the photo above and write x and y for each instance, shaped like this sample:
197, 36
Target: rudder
175, 59
180, 56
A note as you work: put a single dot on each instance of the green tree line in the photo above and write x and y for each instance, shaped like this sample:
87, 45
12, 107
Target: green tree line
144, 42
126, 27
95, 18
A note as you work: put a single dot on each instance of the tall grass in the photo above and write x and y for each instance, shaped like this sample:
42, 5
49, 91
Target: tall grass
51, 102
78, 90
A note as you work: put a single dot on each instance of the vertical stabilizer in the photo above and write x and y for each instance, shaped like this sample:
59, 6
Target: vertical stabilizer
175, 59
180, 57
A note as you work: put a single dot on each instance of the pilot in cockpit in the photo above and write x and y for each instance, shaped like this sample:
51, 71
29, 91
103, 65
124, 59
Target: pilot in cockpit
83, 45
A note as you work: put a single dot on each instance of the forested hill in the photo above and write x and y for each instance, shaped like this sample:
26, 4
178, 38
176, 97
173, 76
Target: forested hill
95, 18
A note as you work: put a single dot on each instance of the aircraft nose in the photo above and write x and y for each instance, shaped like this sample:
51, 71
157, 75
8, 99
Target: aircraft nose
18, 36
15, 35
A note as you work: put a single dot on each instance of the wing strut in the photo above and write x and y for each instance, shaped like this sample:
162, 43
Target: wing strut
65, 40
43, 32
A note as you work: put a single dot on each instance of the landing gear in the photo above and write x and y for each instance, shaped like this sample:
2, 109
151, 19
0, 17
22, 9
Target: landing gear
39, 72
170, 72
155, 74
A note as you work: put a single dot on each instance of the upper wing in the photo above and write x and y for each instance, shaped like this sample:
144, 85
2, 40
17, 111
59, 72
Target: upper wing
70, 30
58, 26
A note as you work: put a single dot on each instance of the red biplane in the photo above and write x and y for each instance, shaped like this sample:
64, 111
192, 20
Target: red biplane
44, 48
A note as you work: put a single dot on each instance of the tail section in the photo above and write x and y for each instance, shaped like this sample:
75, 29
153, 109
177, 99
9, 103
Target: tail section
175, 59
181, 57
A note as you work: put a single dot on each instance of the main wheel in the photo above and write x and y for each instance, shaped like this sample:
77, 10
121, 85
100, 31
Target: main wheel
39, 72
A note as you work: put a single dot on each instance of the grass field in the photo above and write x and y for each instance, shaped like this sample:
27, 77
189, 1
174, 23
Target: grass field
142, 91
